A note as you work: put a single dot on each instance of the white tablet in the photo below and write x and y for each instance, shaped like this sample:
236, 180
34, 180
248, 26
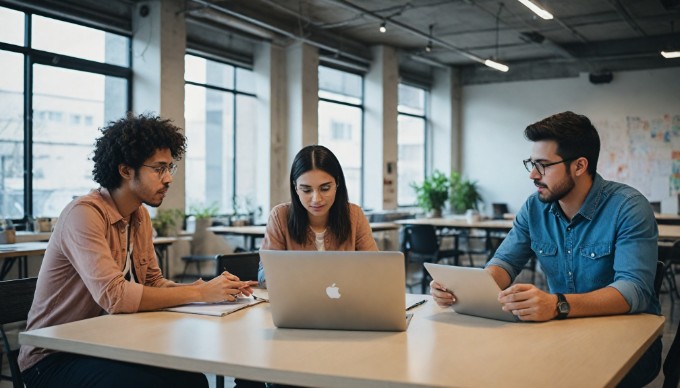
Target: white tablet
475, 289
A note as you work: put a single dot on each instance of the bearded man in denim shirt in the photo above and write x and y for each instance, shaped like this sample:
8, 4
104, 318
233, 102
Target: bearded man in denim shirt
596, 240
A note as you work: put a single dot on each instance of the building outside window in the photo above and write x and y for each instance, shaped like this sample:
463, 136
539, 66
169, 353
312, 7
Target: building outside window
80, 78
220, 114
341, 123
412, 129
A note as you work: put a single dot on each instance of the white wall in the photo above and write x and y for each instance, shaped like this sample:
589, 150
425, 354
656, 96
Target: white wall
494, 117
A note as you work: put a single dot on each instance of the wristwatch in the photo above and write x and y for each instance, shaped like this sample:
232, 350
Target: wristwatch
562, 306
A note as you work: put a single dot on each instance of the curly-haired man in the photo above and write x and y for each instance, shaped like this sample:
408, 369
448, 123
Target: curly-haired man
101, 259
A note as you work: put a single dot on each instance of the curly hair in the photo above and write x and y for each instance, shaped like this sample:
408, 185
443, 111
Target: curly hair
132, 140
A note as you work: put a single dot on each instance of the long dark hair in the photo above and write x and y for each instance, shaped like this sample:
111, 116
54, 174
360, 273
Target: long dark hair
316, 157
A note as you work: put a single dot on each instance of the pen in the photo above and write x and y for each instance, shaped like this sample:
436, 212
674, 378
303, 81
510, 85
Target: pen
260, 298
416, 304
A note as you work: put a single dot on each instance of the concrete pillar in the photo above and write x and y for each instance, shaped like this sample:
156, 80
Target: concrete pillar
444, 143
158, 48
272, 130
380, 130
302, 68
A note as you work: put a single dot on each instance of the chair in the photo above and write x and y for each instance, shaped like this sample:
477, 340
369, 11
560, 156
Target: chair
658, 278
671, 365
242, 264
499, 209
420, 244
16, 297
656, 206
196, 260
670, 255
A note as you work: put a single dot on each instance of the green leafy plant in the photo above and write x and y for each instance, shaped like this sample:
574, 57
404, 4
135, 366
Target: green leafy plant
204, 211
464, 194
165, 220
433, 192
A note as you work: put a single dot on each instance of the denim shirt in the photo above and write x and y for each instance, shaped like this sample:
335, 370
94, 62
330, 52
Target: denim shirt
611, 242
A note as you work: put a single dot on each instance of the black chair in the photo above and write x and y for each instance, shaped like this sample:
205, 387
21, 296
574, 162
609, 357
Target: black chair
16, 297
196, 260
670, 255
420, 244
499, 209
671, 365
242, 264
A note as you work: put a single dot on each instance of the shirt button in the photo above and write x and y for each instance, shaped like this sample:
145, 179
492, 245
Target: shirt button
568, 229
569, 273
592, 255
569, 251
541, 251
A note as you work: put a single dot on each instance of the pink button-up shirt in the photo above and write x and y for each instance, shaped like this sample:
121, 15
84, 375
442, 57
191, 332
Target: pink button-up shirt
81, 274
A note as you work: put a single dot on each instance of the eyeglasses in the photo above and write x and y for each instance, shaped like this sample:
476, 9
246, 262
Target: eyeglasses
324, 190
163, 168
540, 167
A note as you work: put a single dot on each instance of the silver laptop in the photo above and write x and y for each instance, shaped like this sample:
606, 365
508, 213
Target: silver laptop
345, 290
475, 289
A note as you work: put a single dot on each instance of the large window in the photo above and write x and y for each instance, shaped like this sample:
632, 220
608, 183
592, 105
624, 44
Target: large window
221, 159
79, 80
341, 123
410, 142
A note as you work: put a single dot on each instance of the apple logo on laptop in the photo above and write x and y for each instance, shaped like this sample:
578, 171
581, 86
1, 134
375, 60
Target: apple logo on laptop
333, 292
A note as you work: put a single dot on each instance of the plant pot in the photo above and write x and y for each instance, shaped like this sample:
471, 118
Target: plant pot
435, 213
199, 240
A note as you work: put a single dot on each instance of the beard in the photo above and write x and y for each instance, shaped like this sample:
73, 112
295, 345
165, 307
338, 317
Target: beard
558, 191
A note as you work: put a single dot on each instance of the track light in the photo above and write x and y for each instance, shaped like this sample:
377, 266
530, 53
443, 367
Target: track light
536, 9
428, 48
383, 27
669, 53
496, 65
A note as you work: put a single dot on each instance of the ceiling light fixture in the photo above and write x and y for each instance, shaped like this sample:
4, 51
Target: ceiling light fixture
536, 9
383, 27
428, 48
493, 61
669, 54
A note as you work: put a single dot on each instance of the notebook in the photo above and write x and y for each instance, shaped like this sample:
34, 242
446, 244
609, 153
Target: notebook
344, 290
475, 289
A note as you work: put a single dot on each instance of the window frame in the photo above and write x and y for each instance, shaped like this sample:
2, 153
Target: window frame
235, 92
362, 108
32, 57
426, 131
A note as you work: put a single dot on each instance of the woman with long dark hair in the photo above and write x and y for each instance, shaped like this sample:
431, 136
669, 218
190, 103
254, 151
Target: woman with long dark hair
319, 215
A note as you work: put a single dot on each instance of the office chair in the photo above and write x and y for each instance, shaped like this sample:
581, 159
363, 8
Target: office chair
499, 209
16, 297
242, 264
421, 244
671, 365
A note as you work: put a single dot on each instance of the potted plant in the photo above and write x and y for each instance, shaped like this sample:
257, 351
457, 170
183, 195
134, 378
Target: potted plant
432, 193
165, 221
203, 215
464, 194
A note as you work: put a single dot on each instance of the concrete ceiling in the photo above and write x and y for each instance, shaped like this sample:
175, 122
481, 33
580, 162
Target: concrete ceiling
594, 36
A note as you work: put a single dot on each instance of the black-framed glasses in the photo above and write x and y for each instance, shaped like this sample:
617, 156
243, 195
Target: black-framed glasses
540, 167
163, 168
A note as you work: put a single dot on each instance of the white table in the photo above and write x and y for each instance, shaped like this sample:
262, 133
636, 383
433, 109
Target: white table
439, 349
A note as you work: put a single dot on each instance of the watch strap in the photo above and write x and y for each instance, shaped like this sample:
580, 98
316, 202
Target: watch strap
562, 306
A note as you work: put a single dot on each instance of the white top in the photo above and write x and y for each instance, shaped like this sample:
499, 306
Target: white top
319, 240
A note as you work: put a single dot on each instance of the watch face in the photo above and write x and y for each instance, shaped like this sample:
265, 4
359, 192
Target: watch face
563, 308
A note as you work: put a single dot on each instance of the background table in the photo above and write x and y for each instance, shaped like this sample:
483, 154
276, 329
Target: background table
439, 349
19, 252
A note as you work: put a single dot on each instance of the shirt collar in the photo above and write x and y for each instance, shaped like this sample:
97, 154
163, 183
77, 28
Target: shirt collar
591, 202
114, 214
